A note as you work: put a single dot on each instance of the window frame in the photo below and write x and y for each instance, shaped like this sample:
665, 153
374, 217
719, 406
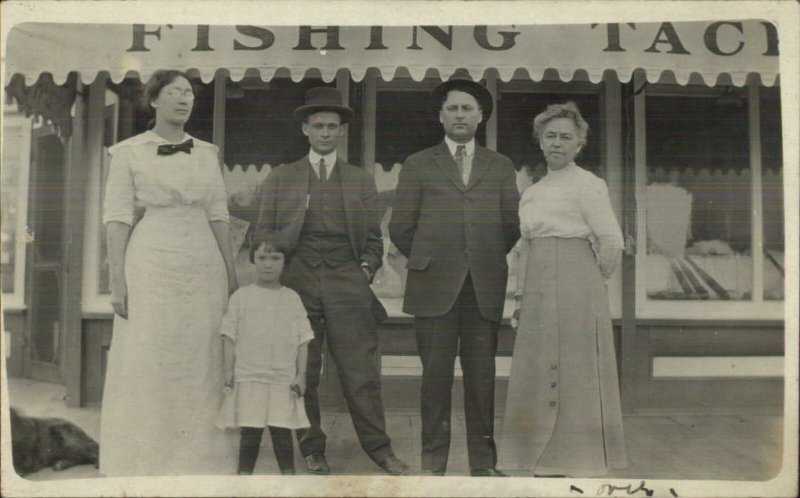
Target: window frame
521, 82
756, 307
15, 301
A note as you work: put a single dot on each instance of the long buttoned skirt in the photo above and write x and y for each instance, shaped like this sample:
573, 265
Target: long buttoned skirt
563, 413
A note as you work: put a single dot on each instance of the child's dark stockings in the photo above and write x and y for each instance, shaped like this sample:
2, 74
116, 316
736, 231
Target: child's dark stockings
281, 443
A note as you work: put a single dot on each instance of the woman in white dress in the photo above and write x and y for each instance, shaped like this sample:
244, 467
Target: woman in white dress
563, 414
170, 279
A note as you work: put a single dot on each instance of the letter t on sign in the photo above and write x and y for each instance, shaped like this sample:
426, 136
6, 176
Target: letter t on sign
614, 42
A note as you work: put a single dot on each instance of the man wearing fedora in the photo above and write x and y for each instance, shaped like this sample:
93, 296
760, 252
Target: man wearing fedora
455, 218
327, 209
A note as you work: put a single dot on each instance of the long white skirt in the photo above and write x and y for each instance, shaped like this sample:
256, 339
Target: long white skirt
164, 377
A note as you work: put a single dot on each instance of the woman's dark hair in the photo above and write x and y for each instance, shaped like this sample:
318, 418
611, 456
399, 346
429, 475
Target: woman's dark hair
159, 80
272, 240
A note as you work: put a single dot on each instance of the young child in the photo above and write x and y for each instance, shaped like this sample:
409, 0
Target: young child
265, 336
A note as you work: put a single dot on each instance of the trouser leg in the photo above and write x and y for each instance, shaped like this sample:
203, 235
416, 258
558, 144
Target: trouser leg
353, 344
313, 439
305, 280
437, 343
249, 445
283, 446
478, 346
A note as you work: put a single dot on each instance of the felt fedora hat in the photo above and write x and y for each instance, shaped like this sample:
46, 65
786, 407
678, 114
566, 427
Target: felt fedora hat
477, 90
324, 98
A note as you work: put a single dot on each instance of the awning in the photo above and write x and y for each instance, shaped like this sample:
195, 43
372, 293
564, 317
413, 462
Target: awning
706, 49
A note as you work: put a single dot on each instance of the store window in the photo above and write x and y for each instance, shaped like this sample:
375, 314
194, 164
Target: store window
698, 198
406, 121
260, 133
13, 205
124, 115
111, 119
515, 112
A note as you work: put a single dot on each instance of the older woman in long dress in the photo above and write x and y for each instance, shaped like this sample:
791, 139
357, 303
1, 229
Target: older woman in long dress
563, 414
170, 280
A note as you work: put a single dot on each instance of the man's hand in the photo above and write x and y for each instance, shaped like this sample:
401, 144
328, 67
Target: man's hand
367, 272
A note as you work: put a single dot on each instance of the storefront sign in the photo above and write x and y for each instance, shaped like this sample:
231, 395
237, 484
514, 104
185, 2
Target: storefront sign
737, 48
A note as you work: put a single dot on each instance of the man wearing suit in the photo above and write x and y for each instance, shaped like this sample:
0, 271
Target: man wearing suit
327, 209
455, 219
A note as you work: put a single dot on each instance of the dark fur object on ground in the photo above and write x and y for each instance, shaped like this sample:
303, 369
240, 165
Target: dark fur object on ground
38, 443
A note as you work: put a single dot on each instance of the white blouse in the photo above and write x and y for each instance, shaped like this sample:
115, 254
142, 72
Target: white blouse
573, 203
139, 176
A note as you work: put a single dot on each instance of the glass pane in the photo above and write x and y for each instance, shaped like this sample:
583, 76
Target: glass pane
45, 313
9, 197
48, 208
260, 133
135, 117
772, 192
515, 113
698, 198
110, 134
406, 122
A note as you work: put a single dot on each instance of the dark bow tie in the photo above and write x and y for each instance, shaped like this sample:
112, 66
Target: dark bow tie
169, 149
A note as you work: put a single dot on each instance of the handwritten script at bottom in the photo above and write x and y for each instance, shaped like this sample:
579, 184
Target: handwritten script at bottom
610, 489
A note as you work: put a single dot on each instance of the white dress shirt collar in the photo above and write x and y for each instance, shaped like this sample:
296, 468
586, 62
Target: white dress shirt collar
452, 145
330, 161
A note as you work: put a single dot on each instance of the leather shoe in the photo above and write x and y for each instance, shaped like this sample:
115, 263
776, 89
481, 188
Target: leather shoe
487, 473
428, 472
393, 465
316, 464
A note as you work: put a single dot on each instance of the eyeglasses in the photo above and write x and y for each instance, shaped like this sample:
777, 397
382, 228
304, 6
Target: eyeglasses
176, 93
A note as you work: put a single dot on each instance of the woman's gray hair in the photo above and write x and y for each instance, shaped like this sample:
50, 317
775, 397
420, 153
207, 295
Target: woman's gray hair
566, 110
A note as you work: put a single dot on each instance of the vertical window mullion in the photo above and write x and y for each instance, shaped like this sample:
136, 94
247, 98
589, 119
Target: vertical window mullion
491, 123
343, 85
218, 126
756, 209
640, 192
368, 134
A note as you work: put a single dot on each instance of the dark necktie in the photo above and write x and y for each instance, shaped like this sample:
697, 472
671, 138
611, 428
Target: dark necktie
461, 152
169, 149
323, 173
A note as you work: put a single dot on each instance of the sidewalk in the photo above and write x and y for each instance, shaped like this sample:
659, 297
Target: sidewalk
730, 447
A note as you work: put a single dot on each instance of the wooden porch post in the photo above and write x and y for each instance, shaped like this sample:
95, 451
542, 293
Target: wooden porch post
369, 119
86, 134
634, 346
343, 85
218, 130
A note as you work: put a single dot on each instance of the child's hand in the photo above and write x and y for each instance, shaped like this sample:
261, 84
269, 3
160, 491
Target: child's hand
298, 386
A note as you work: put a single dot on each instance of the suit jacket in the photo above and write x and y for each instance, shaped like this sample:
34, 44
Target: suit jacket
285, 197
447, 229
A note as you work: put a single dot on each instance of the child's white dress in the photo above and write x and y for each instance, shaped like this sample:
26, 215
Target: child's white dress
266, 326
